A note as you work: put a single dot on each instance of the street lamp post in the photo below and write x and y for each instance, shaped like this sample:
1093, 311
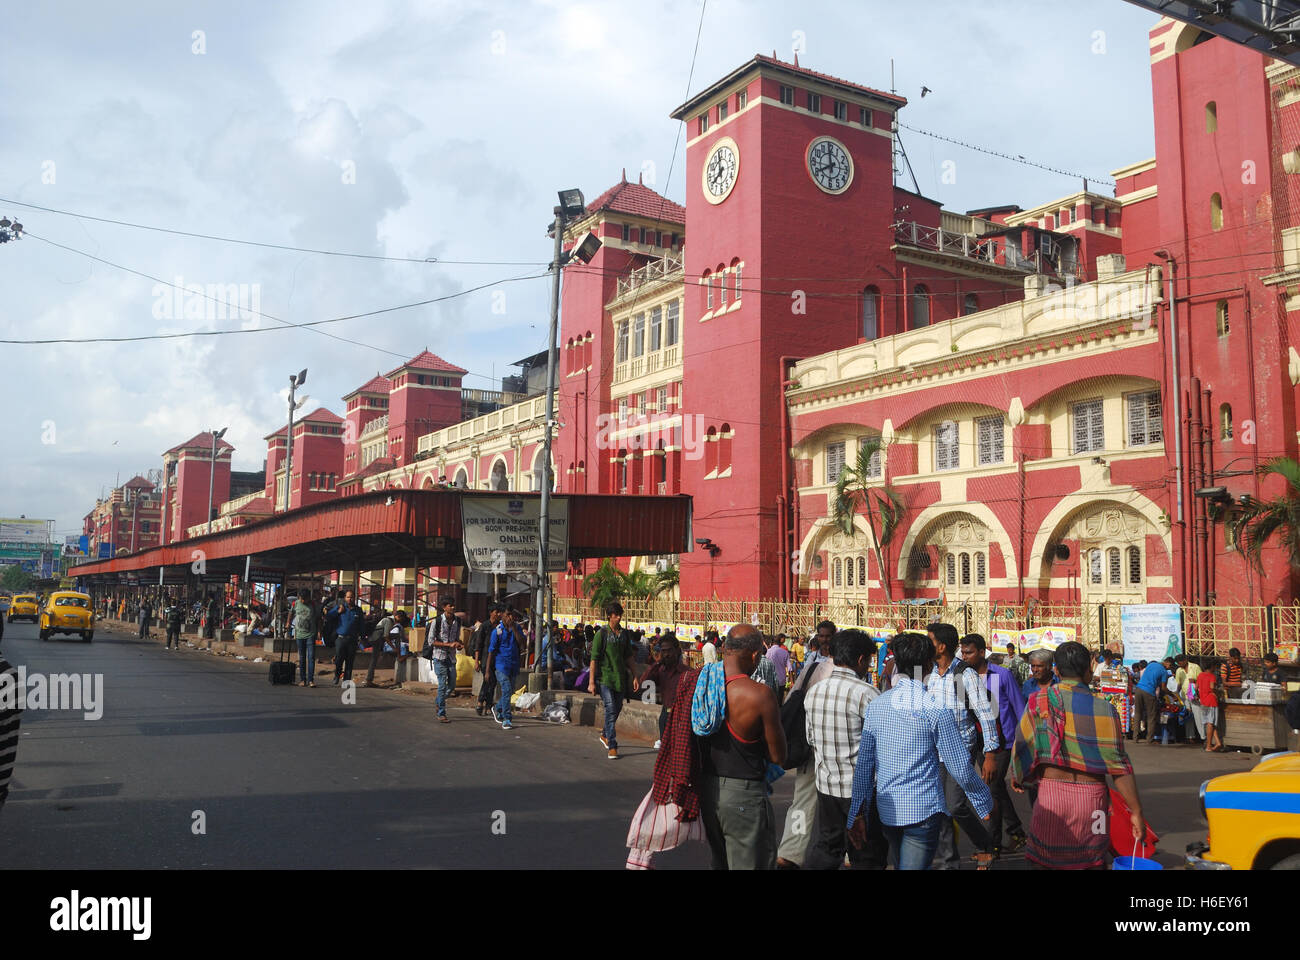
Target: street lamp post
571, 207
294, 383
212, 471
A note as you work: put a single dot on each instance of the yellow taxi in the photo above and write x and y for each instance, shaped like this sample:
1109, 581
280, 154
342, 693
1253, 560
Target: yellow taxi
1254, 818
24, 607
67, 611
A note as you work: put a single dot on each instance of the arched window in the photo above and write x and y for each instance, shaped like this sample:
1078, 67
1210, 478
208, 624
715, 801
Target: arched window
722, 286
498, 480
970, 304
920, 306
848, 572
1134, 565
1211, 117
1216, 212
708, 291
979, 569
870, 313
862, 571
1221, 316
965, 569
952, 569
1094, 566
462, 479
839, 576
622, 471
735, 278
539, 476
724, 448
1225, 422
1113, 575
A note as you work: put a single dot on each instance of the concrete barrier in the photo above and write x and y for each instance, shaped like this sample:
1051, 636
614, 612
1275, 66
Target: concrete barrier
636, 721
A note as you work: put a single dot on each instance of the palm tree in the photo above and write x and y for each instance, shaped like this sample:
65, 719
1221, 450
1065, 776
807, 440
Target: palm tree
855, 490
1258, 520
604, 586
666, 581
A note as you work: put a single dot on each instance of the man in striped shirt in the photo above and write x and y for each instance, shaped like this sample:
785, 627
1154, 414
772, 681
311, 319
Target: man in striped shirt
835, 709
906, 741
9, 718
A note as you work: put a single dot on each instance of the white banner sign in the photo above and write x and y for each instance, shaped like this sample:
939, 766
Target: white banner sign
501, 534
1150, 631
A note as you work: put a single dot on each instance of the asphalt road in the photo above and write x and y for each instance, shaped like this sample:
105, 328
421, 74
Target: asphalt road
294, 778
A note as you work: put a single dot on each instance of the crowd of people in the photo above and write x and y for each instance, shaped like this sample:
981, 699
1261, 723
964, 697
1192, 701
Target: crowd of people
893, 771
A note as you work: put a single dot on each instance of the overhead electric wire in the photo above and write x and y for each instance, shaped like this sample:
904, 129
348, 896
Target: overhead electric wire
235, 307
1005, 156
272, 246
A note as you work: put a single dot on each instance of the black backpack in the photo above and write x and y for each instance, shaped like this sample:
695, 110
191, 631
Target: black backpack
794, 721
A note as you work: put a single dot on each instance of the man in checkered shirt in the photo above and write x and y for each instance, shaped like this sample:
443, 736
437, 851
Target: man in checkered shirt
907, 740
964, 694
835, 709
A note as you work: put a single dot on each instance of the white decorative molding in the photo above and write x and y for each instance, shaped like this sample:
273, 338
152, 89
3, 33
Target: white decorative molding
1016, 412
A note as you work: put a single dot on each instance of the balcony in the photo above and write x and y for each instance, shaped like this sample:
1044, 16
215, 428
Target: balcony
652, 362
1128, 298
377, 425
656, 271
518, 414
939, 240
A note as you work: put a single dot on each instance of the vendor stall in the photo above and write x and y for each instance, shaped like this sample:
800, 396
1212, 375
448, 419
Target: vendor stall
1261, 726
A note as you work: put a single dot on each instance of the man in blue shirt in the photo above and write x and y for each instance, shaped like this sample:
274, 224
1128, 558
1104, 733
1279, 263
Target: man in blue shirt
503, 661
347, 636
908, 736
1041, 674
1146, 697
1010, 705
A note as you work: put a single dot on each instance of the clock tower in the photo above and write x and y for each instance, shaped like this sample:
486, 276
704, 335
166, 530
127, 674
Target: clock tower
791, 202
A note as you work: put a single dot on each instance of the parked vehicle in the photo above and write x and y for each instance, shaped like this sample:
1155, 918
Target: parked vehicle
1254, 818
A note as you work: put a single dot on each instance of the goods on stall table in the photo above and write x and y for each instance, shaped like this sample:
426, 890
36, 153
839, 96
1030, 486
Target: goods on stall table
1118, 696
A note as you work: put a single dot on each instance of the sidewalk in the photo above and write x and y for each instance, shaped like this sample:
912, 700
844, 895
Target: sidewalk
637, 721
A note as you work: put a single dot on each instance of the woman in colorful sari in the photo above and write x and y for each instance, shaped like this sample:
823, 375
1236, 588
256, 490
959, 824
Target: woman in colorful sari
1068, 742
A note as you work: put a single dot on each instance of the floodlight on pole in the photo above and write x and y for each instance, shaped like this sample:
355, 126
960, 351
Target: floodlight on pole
572, 206
212, 471
294, 383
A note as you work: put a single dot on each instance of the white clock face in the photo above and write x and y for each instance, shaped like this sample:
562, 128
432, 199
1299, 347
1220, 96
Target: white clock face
720, 170
830, 165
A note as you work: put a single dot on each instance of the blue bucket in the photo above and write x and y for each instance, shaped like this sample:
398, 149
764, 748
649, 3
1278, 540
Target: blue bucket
1135, 863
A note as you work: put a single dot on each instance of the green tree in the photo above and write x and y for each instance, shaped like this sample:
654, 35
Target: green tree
1258, 521
855, 491
666, 581
604, 585
15, 579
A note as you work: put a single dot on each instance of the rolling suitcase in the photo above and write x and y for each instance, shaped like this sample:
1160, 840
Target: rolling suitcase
282, 671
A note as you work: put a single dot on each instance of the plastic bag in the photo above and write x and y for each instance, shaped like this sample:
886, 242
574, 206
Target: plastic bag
527, 701
557, 712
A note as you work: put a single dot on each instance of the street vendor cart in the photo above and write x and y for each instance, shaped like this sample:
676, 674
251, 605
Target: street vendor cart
1260, 726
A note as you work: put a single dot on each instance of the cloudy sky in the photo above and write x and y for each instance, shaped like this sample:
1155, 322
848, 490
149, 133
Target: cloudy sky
422, 130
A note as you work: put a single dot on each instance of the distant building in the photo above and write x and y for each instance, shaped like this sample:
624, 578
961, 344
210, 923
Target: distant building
130, 518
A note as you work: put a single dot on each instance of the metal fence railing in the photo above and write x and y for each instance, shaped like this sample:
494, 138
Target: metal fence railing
1208, 631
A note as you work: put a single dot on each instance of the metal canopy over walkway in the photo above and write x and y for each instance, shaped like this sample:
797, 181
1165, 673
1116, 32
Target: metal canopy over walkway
385, 529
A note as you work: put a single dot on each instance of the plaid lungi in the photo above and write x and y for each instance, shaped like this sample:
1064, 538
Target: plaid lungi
1070, 829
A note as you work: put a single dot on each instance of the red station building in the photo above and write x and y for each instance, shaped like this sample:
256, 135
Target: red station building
1016, 363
